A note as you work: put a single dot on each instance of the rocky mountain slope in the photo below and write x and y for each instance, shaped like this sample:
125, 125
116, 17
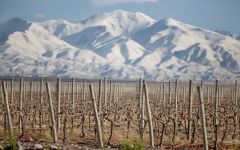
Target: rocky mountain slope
117, 44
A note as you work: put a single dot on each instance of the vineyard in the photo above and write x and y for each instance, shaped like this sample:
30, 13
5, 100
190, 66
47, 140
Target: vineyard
113, 113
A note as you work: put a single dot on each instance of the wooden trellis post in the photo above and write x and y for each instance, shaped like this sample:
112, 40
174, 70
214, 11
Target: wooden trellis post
207, 94
58, 104
5, 95
203, 122
163, 87
97, 121
169, 93
53, 125
216, 103
236, 93
31, 91
68, 93
142, 107
114, 93
41, 103
110, 91
149, 115
20, 103
83, 93
175, 111
77, 89
190, 110
73, 93
12, 90
216, 115
100, 95
105, 92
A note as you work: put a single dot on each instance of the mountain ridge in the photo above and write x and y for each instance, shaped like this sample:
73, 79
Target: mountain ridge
118, 44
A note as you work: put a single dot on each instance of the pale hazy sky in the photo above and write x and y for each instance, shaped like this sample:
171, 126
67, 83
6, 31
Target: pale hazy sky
211, 14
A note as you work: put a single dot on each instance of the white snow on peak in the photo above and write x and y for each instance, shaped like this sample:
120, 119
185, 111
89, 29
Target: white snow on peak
117, 44
11, 26
61, 27
120, 22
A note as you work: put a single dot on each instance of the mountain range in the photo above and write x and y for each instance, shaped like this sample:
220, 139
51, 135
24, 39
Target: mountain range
117, 44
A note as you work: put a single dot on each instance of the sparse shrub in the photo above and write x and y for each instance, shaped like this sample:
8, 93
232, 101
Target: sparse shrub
136, 146
11, 145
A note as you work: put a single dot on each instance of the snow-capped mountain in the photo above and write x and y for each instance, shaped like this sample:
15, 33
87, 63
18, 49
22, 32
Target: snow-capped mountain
117, 44
121, 49
170, 39
61, 28
120, 22
31, 50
